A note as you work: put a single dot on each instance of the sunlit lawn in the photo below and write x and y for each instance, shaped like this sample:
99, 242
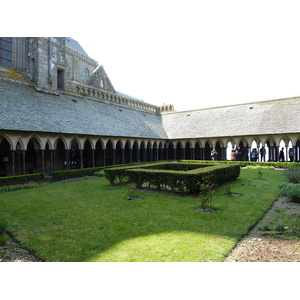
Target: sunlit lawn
92, 221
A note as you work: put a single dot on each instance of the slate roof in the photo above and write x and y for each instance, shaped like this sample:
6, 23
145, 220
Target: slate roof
23, 108
258, 118
71, 43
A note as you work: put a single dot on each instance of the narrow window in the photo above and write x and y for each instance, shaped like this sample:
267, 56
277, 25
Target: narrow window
60, 79
86, 74
101, 83
6, 52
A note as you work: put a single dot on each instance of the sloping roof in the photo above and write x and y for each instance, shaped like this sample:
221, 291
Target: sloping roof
23, 108
71, 43
128, 96
257, 118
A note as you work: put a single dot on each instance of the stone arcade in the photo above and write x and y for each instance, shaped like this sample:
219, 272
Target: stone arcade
60, 111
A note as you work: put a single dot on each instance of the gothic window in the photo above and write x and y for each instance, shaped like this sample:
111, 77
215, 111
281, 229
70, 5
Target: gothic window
6, 52
86, 74
101, 83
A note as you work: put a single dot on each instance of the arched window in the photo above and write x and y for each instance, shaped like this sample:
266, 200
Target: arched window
6, 52
86, 74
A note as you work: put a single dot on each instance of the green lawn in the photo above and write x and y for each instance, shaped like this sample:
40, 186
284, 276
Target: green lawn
91, 221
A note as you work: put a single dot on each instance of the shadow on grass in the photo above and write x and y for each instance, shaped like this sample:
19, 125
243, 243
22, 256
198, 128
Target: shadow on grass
90, 221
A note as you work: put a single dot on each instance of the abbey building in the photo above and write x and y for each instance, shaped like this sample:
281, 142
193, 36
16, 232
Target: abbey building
59, 110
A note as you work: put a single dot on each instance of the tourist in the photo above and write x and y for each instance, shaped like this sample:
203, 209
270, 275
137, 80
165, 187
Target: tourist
291, 154
214, 154
281, 155
233, 155
262, 154
254, 155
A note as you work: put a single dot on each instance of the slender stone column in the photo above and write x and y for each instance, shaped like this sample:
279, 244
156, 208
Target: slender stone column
114, 156
23, 159
183, 153
130, 156
43, 160
52, 156
13, 162
81, 158
122, 156
151, 155
19, 162
37, 161
223, 153
93, 158
67, 159
104, 157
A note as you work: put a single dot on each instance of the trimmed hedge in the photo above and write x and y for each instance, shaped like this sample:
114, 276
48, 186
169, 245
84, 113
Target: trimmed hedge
67, 174
275, 164
61, 175
12, 180
163, 175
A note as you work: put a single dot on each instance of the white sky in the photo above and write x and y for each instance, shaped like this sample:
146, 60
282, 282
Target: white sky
190, 53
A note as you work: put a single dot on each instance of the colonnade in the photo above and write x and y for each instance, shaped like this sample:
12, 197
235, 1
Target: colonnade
24, 153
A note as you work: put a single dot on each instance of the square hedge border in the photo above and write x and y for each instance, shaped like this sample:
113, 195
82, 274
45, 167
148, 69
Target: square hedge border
177, 176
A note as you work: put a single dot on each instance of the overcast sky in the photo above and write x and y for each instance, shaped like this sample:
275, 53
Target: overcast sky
190, 53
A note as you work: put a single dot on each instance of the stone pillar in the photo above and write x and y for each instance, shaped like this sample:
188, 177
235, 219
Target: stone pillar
201, 153
130, 156
93, 158
114, 156
37, 161
81, 158
151, 155
223, 153
19, 162
104, 158
52, 164
67, 159
23, 158
192, 153
43, 160
122, 156
183, 153
13, 162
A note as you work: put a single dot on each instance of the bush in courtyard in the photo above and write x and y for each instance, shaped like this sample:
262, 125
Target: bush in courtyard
292, 173
290, 190
206, 192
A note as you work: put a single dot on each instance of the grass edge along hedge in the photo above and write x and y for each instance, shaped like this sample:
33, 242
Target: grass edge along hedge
12, 180
177, 181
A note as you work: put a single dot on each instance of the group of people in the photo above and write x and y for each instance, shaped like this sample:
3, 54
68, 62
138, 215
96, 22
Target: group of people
291, 154
240, 154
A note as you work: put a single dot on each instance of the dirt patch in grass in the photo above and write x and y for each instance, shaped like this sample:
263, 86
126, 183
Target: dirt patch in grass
256, 247
13, 252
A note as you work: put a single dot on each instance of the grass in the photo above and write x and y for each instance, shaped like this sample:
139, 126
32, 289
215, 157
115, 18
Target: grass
92, 221
282, 224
